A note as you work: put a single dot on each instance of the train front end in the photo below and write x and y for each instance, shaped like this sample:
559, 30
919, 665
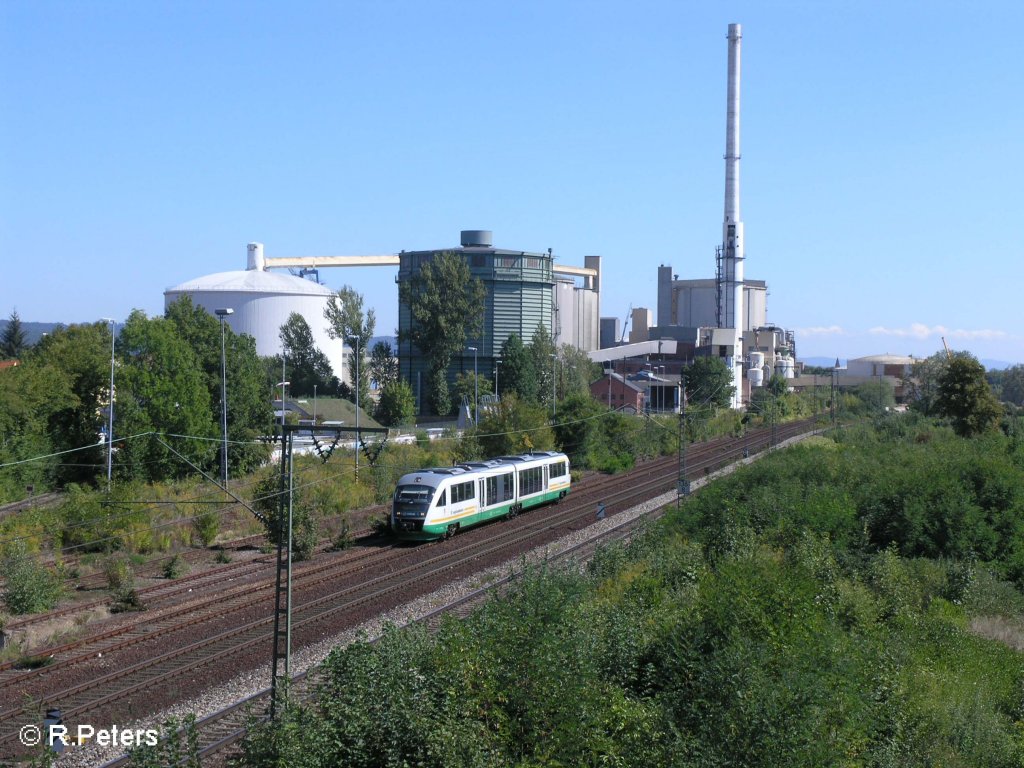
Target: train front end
410, 507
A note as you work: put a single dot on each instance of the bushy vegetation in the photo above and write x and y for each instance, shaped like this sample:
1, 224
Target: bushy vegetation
822, 607
167, 382
29, 587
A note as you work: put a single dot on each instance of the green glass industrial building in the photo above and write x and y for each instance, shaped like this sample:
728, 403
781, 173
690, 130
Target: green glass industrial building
518, 298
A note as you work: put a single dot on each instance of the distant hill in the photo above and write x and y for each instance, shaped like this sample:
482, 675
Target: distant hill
823, 362
33, 331
997, 365
828, 362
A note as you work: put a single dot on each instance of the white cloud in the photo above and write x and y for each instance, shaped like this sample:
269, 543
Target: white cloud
922, 331
831, 330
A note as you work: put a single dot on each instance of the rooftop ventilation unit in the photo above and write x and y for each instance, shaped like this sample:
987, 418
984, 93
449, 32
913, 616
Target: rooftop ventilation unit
477, 238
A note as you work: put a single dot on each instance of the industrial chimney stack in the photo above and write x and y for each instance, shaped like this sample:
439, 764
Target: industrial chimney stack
730, 286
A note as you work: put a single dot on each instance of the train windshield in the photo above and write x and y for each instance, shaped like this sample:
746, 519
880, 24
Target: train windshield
413, 498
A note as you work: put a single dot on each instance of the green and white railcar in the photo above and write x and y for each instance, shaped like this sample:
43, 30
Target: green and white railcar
435, 503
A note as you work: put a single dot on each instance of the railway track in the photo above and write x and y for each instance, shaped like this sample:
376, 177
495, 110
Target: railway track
218, 732
328, 597
42, 500
154, 594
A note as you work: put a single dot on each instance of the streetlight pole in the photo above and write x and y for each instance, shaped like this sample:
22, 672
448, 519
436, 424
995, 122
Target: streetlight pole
497, 365
554, 358
314, 405
355, 348
222, 314
110, 424
283, 384
476, 390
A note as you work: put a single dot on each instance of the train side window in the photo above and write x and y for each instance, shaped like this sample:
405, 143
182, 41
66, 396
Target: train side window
441, 500
463, 491
531, 481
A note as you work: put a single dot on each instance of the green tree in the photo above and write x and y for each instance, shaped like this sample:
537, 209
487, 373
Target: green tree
709, 382
250, 414
542, 354
397, 405
964, 397
12, 340
1008, 384
346, 321
307, 365
383, 364
577, 427
514, 426
575, 371
468, 385
516, 373
161, 388
31, 397
922, 387
446, 306
82, 355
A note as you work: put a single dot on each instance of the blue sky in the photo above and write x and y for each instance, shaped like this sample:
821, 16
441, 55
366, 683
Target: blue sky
146, 143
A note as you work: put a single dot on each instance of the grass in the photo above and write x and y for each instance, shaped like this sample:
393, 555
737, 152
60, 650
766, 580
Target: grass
1001, 629
336, 409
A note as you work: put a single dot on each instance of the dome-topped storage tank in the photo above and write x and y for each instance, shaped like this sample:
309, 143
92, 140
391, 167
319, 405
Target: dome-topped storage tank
755, 371
262, 302
784, 367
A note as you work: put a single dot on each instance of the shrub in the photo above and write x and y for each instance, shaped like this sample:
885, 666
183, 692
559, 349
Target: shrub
304, 526
176, 567
121, 582
344, 538
31, 587
207, 526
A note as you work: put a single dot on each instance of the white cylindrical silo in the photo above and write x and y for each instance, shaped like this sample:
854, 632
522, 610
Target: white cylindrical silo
262, 302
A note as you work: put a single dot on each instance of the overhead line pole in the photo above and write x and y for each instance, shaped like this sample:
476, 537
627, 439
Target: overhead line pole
285, 536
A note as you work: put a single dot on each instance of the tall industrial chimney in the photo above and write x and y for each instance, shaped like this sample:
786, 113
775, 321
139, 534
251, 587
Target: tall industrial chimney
730, 286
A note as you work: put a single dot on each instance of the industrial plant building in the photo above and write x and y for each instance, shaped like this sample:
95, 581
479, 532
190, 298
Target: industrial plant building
724, 316
522, 290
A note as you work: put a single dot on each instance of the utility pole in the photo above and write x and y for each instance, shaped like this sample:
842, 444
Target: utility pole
222, 314
358, 382
283, 581
682, 484
110, 428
